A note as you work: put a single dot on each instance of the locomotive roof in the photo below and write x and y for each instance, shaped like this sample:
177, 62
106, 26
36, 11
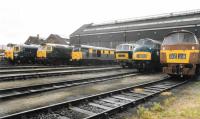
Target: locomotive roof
149, 39
128, 44
180, 31
94, 47
51, 44
27, 46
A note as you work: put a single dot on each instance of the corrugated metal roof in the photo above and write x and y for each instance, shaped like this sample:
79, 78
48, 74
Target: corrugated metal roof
180, 19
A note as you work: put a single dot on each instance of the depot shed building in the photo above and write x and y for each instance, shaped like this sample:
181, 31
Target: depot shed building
110, 34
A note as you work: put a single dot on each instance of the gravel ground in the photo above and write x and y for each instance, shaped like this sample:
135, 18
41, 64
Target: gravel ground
91, 108
180, 103
35, 81
56, 96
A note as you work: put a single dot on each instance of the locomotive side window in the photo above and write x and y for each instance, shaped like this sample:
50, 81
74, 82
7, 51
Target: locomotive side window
131, 47
179, 38
112, 52
98, 53
85, 50
94, 53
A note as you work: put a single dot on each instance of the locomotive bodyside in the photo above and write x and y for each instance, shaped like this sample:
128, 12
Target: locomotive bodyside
54, 54
84, 54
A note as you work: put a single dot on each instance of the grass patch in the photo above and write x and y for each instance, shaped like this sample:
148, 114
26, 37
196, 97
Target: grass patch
185, 105
157, 107
169, 101
156, 111
191, 113
144, 113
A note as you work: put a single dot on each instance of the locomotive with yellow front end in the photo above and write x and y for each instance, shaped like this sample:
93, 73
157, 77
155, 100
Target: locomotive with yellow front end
124, 54
180, 54
54, 54
146, 56
20, 54
89, 55
8, 54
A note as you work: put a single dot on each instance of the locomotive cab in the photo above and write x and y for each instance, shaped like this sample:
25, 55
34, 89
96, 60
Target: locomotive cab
43, 50
180, 53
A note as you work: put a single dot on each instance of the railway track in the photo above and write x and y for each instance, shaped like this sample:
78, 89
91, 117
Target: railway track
99, 106
27, 90
23, 76
45, 69
42, 66
22, 67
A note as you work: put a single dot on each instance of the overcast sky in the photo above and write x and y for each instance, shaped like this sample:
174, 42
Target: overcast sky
21, 18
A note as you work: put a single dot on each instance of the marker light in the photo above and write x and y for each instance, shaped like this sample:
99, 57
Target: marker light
163, 48
193, 47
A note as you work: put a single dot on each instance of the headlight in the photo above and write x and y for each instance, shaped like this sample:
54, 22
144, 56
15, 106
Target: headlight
181, 56
163, 48
193, 47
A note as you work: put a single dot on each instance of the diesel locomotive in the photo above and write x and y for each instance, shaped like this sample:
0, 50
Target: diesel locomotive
143, 55
146, 56
85, 54
124, 54
54, 54
180, 54
18, 54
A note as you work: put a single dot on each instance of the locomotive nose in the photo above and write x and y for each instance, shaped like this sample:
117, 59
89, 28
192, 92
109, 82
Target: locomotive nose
122, 56
77, 55
41, 54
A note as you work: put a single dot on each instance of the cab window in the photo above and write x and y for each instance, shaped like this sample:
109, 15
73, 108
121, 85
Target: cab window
49, 48
16, 49
76, 49
125, 48
180, 38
